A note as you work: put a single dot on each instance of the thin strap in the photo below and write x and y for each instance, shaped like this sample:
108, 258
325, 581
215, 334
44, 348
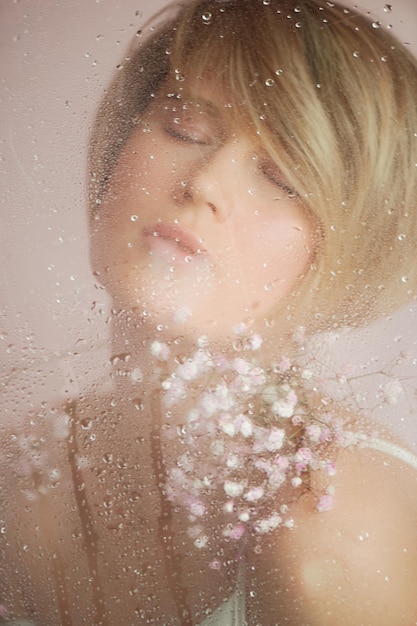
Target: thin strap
393, 450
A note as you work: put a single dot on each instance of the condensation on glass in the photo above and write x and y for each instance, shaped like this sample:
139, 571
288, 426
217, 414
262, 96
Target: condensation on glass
168, 456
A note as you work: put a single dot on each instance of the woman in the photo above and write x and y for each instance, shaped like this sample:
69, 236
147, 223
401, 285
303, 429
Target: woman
252, 173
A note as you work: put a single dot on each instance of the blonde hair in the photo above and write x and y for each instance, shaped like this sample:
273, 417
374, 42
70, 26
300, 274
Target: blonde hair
333, 101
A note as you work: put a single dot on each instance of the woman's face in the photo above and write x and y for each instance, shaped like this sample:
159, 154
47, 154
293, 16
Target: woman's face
199, 228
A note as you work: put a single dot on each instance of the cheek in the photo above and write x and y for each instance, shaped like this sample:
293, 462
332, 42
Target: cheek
283, 249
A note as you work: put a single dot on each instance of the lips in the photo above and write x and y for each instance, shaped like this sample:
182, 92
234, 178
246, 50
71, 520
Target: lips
182, 241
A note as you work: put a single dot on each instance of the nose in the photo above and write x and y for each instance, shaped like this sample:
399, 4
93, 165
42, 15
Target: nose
216, 180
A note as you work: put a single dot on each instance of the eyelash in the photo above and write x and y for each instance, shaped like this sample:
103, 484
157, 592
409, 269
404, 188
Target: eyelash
278, 183
175, 134
288, 190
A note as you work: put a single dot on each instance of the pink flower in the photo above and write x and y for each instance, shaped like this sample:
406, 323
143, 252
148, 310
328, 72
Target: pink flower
254, 342
313, 432
241, 366
275, 439
254, 494
244, 425
236, 532
197, 508
325, 503
284, 364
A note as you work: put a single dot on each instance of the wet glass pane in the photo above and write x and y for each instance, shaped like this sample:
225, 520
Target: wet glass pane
208, 313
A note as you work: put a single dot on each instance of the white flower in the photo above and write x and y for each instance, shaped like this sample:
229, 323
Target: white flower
264, 526
275, 439
197, 509
233, 489
283, 408
255, 342
227, 426
160, 350
182, 314
136, 375
244, 516
313, 432
244, 425
254, 494
188, 370
233, 461
241, 366
202, 341
306, 374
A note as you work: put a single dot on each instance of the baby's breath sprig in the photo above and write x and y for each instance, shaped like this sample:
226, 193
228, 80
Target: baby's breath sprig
252, 434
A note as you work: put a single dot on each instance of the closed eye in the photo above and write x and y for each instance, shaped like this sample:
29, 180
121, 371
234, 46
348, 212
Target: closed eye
274, 175
184, 135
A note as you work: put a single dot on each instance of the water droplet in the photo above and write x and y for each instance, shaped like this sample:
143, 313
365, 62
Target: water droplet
134, 218
138, 404
297, 10
363, 536
119, 67
86, 424
388, 8
107, 458
401, 237
356, 54
384, 59
266, 2
99, 37
404, 279
178, 75
206, 17
299, 24
376, 24
278, 72
269, 82
269, 286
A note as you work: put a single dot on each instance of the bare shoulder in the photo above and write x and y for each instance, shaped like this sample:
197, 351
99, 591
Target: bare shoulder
355, 564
